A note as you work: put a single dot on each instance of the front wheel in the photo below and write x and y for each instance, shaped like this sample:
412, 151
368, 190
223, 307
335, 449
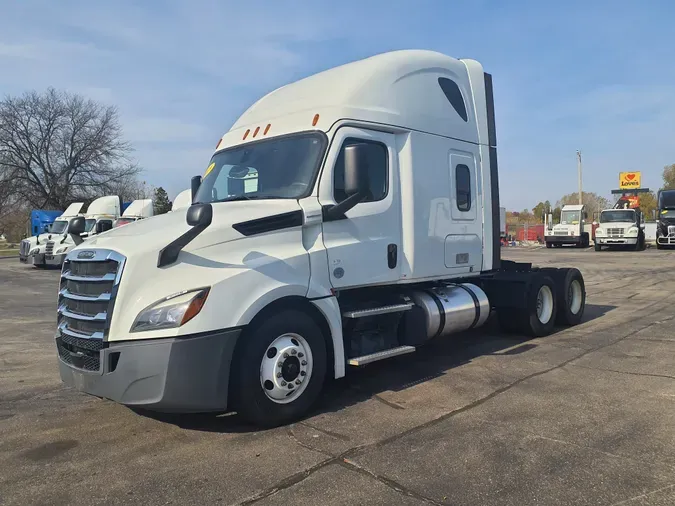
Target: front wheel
597, 247
279, 369
549, 245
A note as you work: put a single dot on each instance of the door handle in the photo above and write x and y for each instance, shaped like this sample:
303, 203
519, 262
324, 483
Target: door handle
392, 256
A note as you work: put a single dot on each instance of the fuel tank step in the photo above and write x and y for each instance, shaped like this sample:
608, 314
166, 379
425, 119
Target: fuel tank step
381, 355
394, 308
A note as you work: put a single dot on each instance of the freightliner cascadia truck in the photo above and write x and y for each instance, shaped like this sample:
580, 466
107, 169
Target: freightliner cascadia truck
346, 218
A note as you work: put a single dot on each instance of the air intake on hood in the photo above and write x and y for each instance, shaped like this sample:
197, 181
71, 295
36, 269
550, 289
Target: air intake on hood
269, 223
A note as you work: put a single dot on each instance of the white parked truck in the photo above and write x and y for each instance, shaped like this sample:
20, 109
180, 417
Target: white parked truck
372, 228
620, 227
182, 201
99, 218
31, 245
137, 210
570, 230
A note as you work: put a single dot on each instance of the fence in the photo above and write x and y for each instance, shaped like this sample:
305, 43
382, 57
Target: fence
525, 232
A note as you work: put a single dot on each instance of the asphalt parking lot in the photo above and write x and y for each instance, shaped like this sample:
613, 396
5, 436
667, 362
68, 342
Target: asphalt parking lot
585, 416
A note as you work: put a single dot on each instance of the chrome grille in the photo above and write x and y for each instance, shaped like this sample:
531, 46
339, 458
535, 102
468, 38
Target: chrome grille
24, 248
671, 229
615, 232
80, 353
49, 249
560, 232
86, 299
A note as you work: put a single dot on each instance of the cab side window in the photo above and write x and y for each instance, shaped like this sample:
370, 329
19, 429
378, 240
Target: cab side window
378, 171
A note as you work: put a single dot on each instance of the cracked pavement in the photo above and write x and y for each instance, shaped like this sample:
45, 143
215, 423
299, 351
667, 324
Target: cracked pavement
585, 416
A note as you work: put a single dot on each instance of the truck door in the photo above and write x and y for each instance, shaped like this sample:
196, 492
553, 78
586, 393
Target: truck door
464, 245
364, 248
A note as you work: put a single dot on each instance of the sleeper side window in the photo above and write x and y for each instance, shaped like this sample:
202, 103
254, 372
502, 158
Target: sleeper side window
463, 187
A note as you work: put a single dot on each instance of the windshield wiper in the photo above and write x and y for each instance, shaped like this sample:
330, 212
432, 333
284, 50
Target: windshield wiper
236, 198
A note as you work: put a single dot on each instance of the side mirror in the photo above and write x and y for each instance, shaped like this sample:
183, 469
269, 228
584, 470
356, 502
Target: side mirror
199, 215
76, 229
195, 183
76, 226
642, 226
356, 169
103, 226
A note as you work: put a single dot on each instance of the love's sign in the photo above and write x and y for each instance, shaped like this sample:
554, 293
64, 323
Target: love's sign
630, 180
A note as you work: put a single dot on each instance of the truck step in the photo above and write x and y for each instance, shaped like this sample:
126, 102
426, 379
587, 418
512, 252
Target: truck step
394, 308
381, 355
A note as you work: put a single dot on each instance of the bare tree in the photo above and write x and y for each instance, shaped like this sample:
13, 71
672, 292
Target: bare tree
58, 148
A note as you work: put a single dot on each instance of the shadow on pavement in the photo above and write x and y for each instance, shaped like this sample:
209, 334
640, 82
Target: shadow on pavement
396, 374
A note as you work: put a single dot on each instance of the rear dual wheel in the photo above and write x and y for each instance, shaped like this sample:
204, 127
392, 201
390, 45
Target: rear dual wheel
538, 318
556, 296
571, 295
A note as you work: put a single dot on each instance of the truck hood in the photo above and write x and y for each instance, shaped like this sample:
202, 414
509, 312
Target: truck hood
152, 234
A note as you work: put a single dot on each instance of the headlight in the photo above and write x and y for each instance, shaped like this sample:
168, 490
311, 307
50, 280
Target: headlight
172, 311
34, 251
62, 250
632, 231
599, 231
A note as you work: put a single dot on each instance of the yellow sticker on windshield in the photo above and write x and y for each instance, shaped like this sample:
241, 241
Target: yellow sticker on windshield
209, 169
664, 211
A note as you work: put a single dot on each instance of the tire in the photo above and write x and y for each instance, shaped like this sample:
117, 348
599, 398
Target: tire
570, 292
658, 246
527, 321
585, 241
598, 247
549, 245
296, 332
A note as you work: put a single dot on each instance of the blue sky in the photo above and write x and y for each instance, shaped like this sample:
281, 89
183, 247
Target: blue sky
596, 76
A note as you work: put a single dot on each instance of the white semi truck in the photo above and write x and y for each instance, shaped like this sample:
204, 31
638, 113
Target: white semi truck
620, 227
31, 245
372, 227
570, 230
138, 210
99, 218
182, 201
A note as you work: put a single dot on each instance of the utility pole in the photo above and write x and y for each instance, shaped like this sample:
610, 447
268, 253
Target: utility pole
579, 169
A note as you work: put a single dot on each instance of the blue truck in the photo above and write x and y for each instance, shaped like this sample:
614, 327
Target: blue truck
41, 220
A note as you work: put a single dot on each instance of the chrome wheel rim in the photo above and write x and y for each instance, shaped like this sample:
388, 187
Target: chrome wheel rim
286, 368
544, 304
574, 296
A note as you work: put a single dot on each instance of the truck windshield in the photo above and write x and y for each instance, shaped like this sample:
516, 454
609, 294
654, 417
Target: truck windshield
617, 216
89, 224
59, 227
667, 213
569, 217
282, 168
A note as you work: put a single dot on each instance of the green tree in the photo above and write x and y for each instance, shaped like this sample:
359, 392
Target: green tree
592, 201
556, 215
669, 177
648, 205
540, 210
161, 202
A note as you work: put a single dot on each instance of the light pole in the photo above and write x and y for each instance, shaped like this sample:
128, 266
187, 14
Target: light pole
579, 170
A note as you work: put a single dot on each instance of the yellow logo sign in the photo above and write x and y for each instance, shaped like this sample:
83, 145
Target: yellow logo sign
629, 180
209, 169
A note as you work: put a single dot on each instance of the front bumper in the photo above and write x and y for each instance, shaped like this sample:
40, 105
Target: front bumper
666, 241
182, 375
562, 239
55, 260
616, 241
